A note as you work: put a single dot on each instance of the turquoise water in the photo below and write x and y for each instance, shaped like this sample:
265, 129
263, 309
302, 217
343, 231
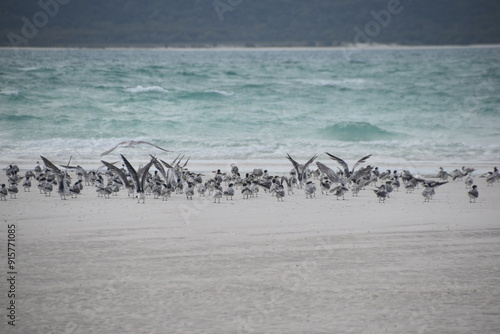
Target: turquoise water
437, 105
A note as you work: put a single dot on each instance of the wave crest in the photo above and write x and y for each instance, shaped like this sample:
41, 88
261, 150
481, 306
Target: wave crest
357, 131
141, 89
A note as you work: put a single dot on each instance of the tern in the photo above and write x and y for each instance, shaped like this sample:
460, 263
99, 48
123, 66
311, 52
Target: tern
301, 170
349, 173
473, 194
138, 177
62, 184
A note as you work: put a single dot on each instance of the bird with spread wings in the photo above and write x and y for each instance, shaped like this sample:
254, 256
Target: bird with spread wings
132, 143
348, 174
301, 170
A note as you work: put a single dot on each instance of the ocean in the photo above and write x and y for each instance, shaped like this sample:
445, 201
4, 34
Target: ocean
405, 106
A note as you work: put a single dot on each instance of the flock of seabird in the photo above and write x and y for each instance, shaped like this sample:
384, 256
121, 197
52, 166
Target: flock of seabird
176, 179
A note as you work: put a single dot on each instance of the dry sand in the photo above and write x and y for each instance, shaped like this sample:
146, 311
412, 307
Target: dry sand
94, 265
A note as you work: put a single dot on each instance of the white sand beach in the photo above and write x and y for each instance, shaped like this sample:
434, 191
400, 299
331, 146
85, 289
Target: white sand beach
95, 265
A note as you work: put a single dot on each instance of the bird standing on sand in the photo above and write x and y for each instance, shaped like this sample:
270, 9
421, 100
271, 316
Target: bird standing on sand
442, 174
246, 191
131, 144
217, 194
310, 189
348, 173
468, 182
3, 193
166, 191
138, 177
13, 190
27, 184
428, 192
229, 192
339, 191
62, 177
280, 189
301, 170
75, 190
473, 194
381, 193
189, 191
325, 185
491, 177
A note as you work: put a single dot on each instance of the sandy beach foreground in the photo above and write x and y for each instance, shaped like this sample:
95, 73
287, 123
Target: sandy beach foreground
95, 265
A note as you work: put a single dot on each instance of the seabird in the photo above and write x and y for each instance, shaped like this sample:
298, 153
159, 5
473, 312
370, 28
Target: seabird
62, 178
355, 188
46, 187
381, 193
217, 195
27, 184
468, 170
280, 190
348, 173
246, 191
75, 190
138, 177
3, 193
429, 191
254, 187
457, 174
229, 192
468, 182
166, 191
189, 191
492, 177
325, 185
131, 144
388, 187
442, 174
310, 189
473, 194
339, 191
301, 170
330, 173
201, 189
157, 190
121, 175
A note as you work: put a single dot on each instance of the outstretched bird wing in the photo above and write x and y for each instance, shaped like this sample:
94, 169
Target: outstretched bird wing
132, 143
112, 149
341, 162
146, 142
159, 166
436, 184
50, 165
133, 174
173, 162
118, 172
360, 161
330, 173
143, 173
309, 162
296, 166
